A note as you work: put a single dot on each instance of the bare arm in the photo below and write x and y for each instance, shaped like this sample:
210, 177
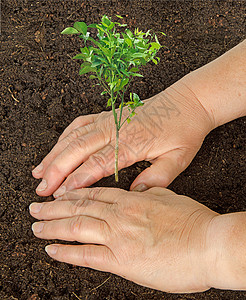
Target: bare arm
220, 85
227, 236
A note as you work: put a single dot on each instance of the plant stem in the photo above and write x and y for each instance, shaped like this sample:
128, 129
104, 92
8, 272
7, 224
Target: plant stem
117, 137
116, 155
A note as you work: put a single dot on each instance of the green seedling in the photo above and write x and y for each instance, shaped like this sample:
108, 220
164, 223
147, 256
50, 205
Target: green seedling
114, 58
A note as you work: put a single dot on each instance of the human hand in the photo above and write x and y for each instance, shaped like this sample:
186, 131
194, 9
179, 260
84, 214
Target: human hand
156, 238
167, 131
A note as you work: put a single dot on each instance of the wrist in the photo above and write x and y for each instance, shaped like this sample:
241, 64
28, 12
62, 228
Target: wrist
220, 85
226, 241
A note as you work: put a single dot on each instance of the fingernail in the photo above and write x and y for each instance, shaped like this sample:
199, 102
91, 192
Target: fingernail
50, 249
61, 191
35, 207
42, 186
140, 188
37, 227
39, 168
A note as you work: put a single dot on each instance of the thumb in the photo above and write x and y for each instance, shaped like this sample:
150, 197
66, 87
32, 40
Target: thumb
163, 171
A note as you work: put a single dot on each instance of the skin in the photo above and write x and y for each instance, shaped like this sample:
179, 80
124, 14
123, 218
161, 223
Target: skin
155, 238
90, 140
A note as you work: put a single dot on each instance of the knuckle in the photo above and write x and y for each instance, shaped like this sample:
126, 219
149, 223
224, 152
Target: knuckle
74, 134
73, 180
104, 232
77, 206
95, 193
49, 209
86, 256
132, 209
75, 225
155, 190
76, 145
99, 160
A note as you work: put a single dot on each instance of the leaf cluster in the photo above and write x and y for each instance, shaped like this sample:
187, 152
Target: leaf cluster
115, 56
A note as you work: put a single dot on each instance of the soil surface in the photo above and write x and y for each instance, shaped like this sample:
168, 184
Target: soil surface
41, 93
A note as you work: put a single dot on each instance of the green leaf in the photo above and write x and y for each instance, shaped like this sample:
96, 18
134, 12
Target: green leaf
137, 75
86, 69
138, 55
81, 27
124, 72
106, 21
92, 77
155, 45
92, 26
111, 26
104, 92
133, 70
118, 16
69, 30
79, 56
129, 42
154, 61
123, 83
128, 120
109, 103
135, 97
96, 63
129, 33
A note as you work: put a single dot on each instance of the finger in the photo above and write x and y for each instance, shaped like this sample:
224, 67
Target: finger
82, 229
68, 208
92, 256
60, 146
69, 159
99, 194
78, 122
98, 165
159, 191
163, 170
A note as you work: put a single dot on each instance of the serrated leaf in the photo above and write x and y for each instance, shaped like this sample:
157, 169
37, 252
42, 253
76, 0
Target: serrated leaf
81, 27
69, 30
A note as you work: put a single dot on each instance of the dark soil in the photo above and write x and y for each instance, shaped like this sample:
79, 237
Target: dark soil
41, 94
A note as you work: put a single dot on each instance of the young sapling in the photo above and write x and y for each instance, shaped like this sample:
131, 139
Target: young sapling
114, 58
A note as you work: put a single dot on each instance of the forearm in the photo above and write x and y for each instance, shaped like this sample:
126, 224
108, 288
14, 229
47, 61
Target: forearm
227, 243
220, 86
